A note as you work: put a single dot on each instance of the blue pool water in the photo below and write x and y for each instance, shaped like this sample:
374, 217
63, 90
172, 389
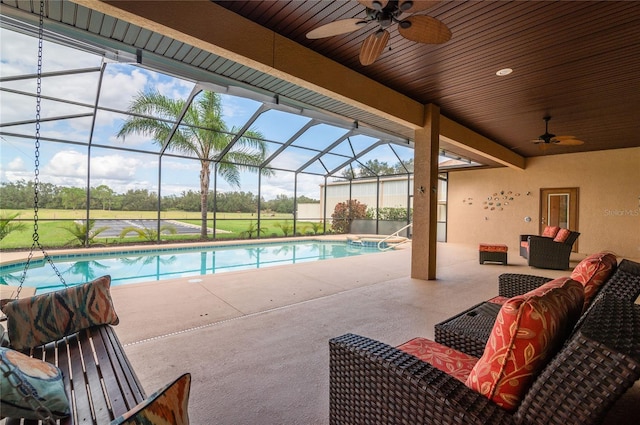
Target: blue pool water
167, 263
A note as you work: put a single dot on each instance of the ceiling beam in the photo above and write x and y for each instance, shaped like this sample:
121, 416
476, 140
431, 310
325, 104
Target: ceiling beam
460, 136
208, 26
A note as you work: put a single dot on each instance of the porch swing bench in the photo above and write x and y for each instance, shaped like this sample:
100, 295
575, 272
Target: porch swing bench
98, 378
62, 362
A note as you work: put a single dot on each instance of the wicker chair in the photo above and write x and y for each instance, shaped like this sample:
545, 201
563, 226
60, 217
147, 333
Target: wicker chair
374, 383
469, 330
546, 253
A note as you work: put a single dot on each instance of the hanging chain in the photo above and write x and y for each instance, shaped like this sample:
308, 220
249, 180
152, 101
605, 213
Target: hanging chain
36, 181
41, 411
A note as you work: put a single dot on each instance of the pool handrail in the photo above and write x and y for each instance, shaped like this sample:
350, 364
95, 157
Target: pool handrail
394, 234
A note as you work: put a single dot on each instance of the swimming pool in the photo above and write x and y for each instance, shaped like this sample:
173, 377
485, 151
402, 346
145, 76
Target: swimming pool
144, 265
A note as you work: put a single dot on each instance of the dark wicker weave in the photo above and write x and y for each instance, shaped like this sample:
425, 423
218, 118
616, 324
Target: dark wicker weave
373, 383
493, 257
625, 282
545, 253
514, 284
470, 333
600, 362
476, 324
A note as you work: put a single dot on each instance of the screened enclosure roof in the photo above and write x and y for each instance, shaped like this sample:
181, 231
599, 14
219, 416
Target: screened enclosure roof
88, 90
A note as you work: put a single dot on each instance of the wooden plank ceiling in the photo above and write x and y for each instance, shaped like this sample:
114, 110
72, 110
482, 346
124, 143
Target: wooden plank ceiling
578, 61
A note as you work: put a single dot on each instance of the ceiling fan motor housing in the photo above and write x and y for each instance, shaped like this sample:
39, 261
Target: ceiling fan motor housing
547, 137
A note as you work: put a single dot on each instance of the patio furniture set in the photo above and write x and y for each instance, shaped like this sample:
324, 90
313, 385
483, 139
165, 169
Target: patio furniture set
543, 351
550, 250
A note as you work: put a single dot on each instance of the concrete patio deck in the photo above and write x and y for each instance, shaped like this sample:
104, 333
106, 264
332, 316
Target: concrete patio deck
256, 342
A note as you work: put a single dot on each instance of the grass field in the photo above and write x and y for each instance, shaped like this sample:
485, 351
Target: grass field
52, 225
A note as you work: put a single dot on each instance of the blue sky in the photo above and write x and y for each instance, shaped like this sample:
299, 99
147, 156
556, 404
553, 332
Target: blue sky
66, 164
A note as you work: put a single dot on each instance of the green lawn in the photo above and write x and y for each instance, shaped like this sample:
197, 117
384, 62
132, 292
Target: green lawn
52, 226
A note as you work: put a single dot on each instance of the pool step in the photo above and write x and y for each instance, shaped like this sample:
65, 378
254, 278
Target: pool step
376, 241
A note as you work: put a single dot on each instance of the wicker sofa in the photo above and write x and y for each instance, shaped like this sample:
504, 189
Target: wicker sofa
374, 383
469, 330
548, 251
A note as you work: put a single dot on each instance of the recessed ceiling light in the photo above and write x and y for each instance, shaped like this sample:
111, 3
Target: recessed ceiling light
504, 71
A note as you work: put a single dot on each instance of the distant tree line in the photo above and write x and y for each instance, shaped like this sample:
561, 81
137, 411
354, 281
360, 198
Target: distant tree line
20, 195
375, 167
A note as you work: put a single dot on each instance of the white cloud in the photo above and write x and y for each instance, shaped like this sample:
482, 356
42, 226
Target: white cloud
118, 166
15, 175
119, 88
67, 164
118, 171
20, 55
16, 164
174, 88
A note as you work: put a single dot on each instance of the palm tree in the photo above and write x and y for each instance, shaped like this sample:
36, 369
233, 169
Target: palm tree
7, 225
84, 232
150, 235
203, 134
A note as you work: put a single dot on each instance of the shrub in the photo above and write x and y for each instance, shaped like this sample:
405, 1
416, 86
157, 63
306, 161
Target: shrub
286, 227
345, 212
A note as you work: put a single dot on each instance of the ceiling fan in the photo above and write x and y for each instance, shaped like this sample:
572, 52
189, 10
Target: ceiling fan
384, 13
547, 139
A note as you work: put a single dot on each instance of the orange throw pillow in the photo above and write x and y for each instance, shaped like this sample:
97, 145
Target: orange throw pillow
562, 235
528, 331
550, 231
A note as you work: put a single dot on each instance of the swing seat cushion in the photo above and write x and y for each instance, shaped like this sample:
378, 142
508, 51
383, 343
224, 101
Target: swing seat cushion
35, 377
169, 405
49, 317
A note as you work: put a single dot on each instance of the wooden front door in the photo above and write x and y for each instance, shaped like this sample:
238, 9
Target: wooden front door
559, 207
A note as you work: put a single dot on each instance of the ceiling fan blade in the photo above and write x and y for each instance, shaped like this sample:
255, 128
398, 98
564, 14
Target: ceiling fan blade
424, 29
374, 4
544, 146
342, 26
373, 46
408, 6
568, 141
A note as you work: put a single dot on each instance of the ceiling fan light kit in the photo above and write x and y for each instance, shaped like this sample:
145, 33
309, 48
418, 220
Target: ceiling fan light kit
418, 28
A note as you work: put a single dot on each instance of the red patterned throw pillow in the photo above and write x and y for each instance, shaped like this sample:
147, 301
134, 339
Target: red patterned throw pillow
592, 272
48, 317
448, 360
528, 331
168, 406
550, 231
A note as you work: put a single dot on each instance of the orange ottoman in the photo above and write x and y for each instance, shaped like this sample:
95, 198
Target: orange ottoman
493, 252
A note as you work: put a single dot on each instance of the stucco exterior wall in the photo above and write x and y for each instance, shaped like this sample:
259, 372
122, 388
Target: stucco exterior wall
609, 200
312, 212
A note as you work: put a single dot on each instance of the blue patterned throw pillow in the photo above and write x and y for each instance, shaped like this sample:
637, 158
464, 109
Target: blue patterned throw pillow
22, 375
